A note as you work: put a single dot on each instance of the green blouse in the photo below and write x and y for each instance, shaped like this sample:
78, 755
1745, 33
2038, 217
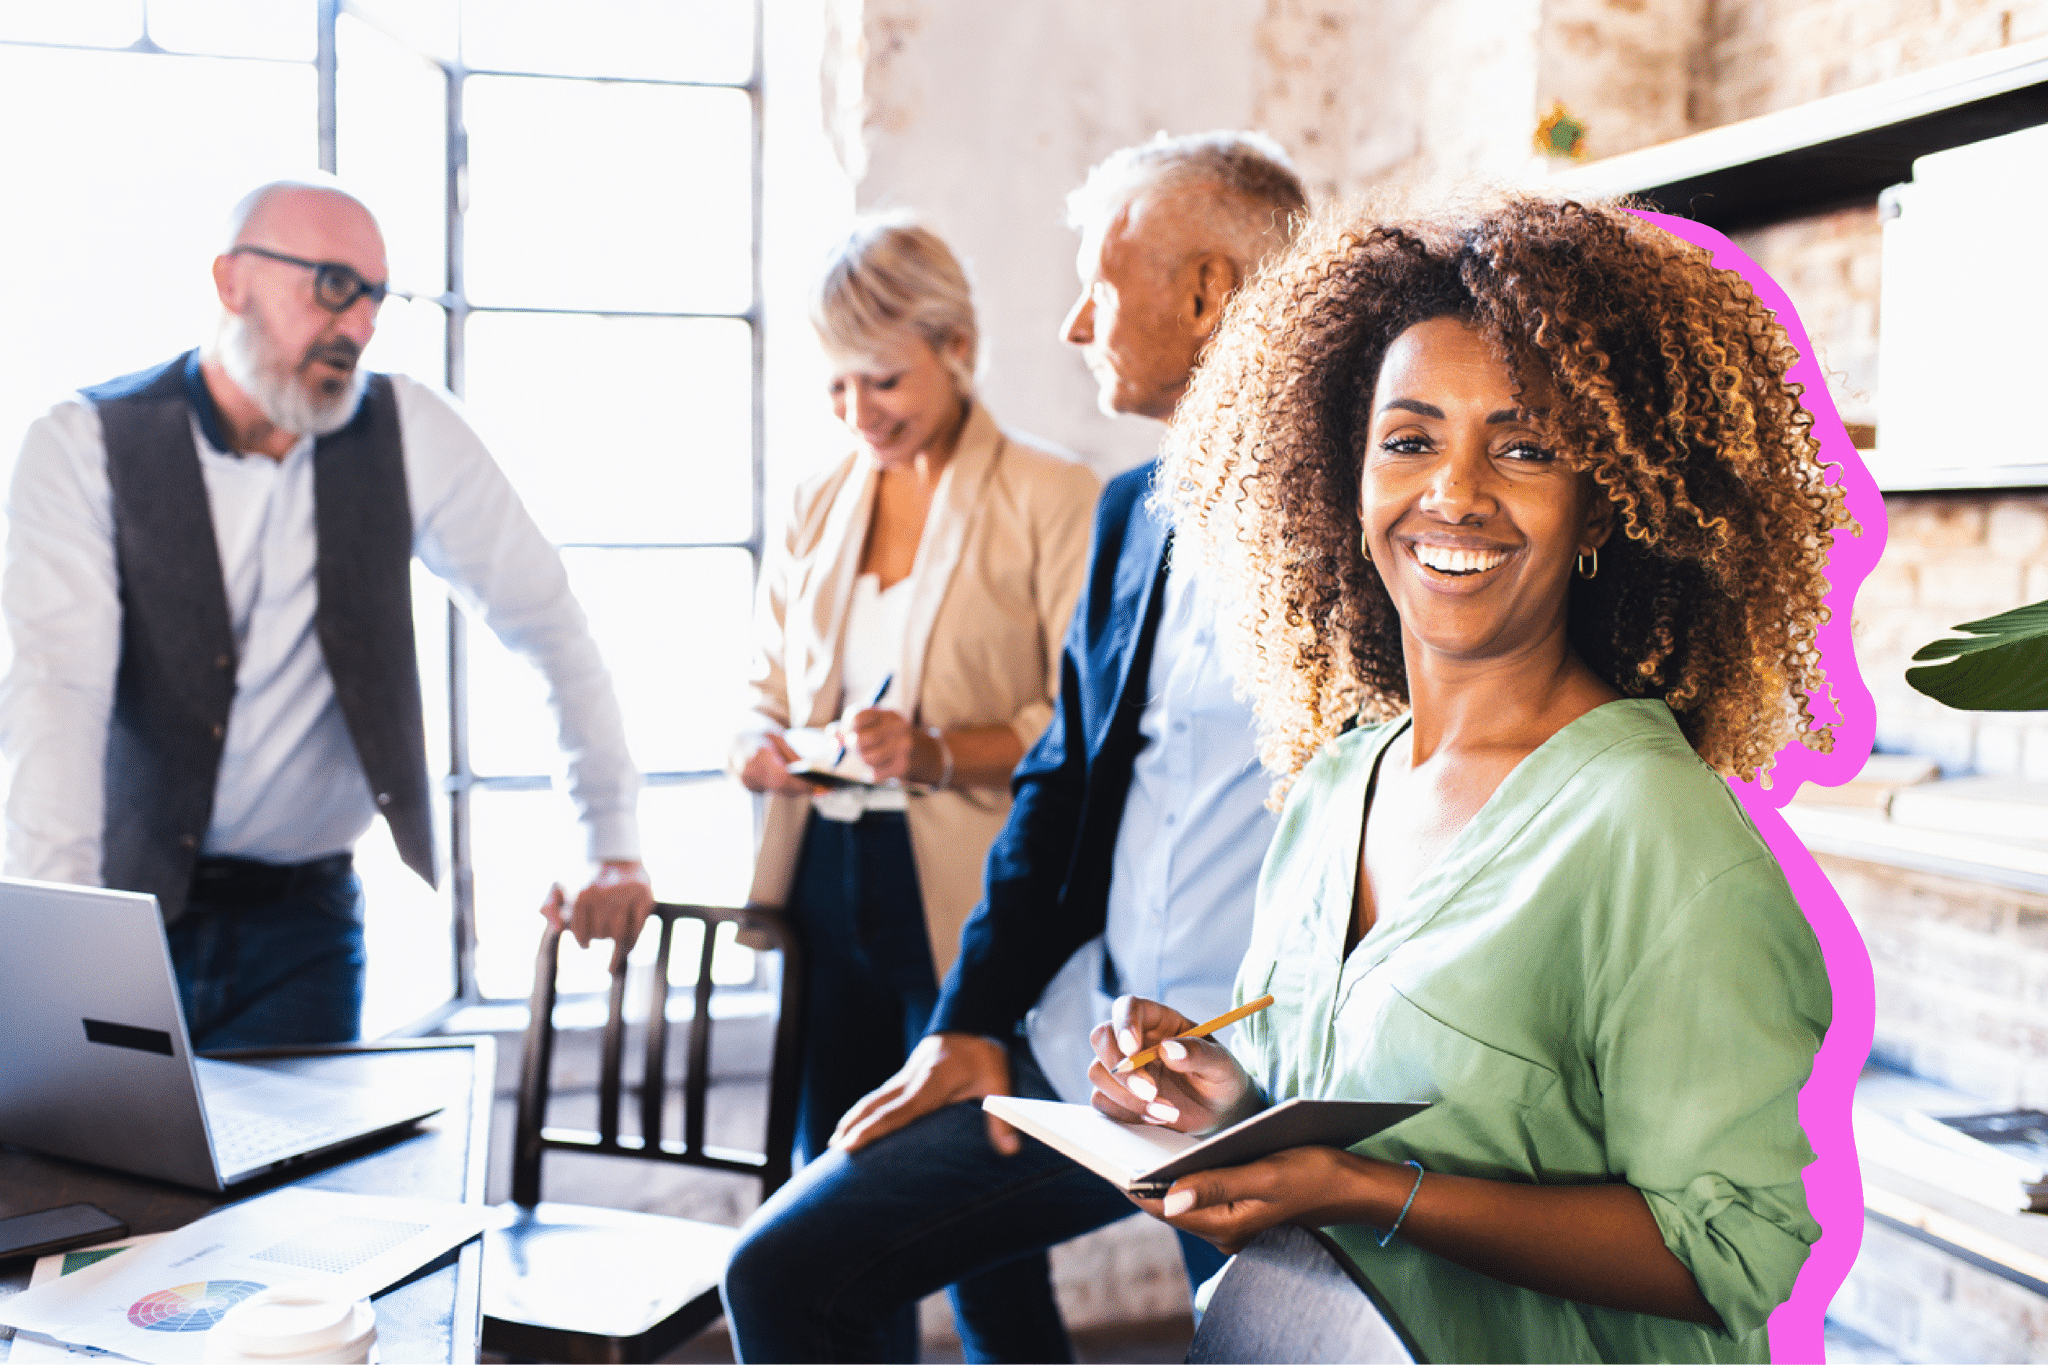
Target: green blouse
1604, 978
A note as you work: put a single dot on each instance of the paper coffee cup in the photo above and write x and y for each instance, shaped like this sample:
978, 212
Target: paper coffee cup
290, 1324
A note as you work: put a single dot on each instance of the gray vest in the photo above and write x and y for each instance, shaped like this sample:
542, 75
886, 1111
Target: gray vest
177, 672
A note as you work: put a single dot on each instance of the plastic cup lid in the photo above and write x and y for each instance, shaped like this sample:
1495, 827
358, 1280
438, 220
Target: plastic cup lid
289, 1319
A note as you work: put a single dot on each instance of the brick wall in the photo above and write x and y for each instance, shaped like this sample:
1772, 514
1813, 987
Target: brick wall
1961, 974
1962, 997
1952, 557
1927, 1305
1764, 55
1361, 95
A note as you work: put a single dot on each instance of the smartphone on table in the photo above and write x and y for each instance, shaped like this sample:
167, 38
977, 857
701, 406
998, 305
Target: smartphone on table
58, 1229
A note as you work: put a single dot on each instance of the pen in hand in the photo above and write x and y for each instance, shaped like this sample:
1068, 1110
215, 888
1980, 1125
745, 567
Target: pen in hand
880, 692
1150, 1054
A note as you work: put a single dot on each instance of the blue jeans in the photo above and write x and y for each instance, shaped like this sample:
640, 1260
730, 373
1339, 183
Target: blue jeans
832, 1266
270, 955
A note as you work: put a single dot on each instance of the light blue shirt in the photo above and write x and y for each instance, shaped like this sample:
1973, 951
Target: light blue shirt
1185, 872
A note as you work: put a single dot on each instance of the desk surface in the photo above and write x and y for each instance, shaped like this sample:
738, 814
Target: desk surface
435, 1315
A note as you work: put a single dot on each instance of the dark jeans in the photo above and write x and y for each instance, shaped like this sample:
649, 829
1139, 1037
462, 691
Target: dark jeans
869, 985
831, 1268
270, 955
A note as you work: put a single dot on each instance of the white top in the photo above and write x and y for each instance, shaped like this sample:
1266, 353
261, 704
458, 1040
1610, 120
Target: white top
290, 787
1185, 872
868, 655
873, 644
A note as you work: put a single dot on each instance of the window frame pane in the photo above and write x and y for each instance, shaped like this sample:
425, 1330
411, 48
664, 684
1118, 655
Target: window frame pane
447, 637
463, 780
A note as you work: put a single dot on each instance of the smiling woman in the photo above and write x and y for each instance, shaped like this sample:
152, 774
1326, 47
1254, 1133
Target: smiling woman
1527, 532
1662, 380
1476, 523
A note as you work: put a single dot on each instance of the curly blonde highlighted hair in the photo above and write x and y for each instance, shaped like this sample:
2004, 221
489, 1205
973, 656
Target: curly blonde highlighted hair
1672, 395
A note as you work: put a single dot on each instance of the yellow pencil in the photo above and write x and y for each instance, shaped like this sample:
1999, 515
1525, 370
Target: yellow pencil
1138, 1059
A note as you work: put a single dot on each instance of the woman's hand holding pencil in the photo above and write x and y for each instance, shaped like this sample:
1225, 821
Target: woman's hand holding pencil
1198, 1085
1223, 1020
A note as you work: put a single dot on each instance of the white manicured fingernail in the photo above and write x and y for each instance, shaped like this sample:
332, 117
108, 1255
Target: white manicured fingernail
1172, 1051
1141, 1086
1162, 1111
1127, 1040
1178, 1203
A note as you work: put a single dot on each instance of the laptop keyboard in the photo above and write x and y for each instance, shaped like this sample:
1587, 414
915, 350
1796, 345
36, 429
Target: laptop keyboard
242, 1139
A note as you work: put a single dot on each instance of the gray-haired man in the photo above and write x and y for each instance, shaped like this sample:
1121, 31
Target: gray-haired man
1127, 864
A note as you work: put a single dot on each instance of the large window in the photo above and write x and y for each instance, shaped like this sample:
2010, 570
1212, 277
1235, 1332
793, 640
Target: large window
574, 211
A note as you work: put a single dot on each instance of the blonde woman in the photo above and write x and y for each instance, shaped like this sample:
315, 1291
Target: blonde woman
914, 604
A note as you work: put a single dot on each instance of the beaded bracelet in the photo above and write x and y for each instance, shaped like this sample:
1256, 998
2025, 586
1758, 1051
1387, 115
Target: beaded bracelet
1412, 1192
945, 757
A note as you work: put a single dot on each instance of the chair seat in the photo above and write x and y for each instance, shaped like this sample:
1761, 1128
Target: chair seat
597, 1272
1293, 1295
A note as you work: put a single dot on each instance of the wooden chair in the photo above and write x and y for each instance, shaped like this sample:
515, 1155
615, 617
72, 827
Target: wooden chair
574, 1283
1293, 1295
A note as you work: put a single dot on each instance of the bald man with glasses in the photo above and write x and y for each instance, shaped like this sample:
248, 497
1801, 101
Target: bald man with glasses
208, 589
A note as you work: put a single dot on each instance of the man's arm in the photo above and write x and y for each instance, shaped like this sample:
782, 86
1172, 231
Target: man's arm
1024, 931
471, 530
62, 601
963, 1056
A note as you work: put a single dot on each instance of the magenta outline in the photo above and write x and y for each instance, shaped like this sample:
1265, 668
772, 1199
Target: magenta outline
1834, 1185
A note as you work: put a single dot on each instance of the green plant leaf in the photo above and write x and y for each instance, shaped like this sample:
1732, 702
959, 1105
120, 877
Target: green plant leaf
2003, 666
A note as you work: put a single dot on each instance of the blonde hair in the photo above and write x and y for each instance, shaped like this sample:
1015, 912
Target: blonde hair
890, 273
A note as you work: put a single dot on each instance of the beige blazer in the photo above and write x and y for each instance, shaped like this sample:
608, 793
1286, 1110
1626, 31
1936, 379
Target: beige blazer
1004, 549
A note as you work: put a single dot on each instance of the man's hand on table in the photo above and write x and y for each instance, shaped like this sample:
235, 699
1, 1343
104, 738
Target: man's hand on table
614, 905
943, 1069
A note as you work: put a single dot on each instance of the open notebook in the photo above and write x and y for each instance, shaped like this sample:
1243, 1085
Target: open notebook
1144, 1160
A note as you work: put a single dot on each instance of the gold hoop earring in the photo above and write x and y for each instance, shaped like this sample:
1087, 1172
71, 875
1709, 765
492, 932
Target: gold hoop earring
1580, 568
1365, 545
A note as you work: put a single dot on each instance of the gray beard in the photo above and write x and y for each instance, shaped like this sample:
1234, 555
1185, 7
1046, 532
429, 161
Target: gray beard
253, 360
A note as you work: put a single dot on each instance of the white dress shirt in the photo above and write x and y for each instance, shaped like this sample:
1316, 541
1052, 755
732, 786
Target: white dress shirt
290, 786
1185, 870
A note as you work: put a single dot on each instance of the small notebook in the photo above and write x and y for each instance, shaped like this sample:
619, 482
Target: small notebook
831, 779
1143, 1160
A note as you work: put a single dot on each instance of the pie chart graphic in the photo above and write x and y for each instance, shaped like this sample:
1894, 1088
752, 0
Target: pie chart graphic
189, 1307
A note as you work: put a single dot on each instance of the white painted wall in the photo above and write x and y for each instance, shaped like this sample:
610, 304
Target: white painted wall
982, 116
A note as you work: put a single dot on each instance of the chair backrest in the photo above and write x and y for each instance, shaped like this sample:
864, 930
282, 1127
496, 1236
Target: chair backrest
533, 1138
1293, 1295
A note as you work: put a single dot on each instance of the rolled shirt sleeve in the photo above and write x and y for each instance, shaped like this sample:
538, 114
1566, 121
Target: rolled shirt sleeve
1710, 1134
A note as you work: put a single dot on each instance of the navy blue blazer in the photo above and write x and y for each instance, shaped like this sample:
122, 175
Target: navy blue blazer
1046, 887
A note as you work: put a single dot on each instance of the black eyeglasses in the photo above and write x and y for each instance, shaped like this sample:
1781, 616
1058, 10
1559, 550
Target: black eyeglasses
336, 287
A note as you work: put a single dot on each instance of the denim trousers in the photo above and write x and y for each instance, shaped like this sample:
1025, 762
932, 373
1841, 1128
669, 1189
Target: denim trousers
869, 984
832, 1266
268, 955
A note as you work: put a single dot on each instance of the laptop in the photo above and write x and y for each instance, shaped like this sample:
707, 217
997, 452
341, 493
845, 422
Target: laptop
96, 1065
